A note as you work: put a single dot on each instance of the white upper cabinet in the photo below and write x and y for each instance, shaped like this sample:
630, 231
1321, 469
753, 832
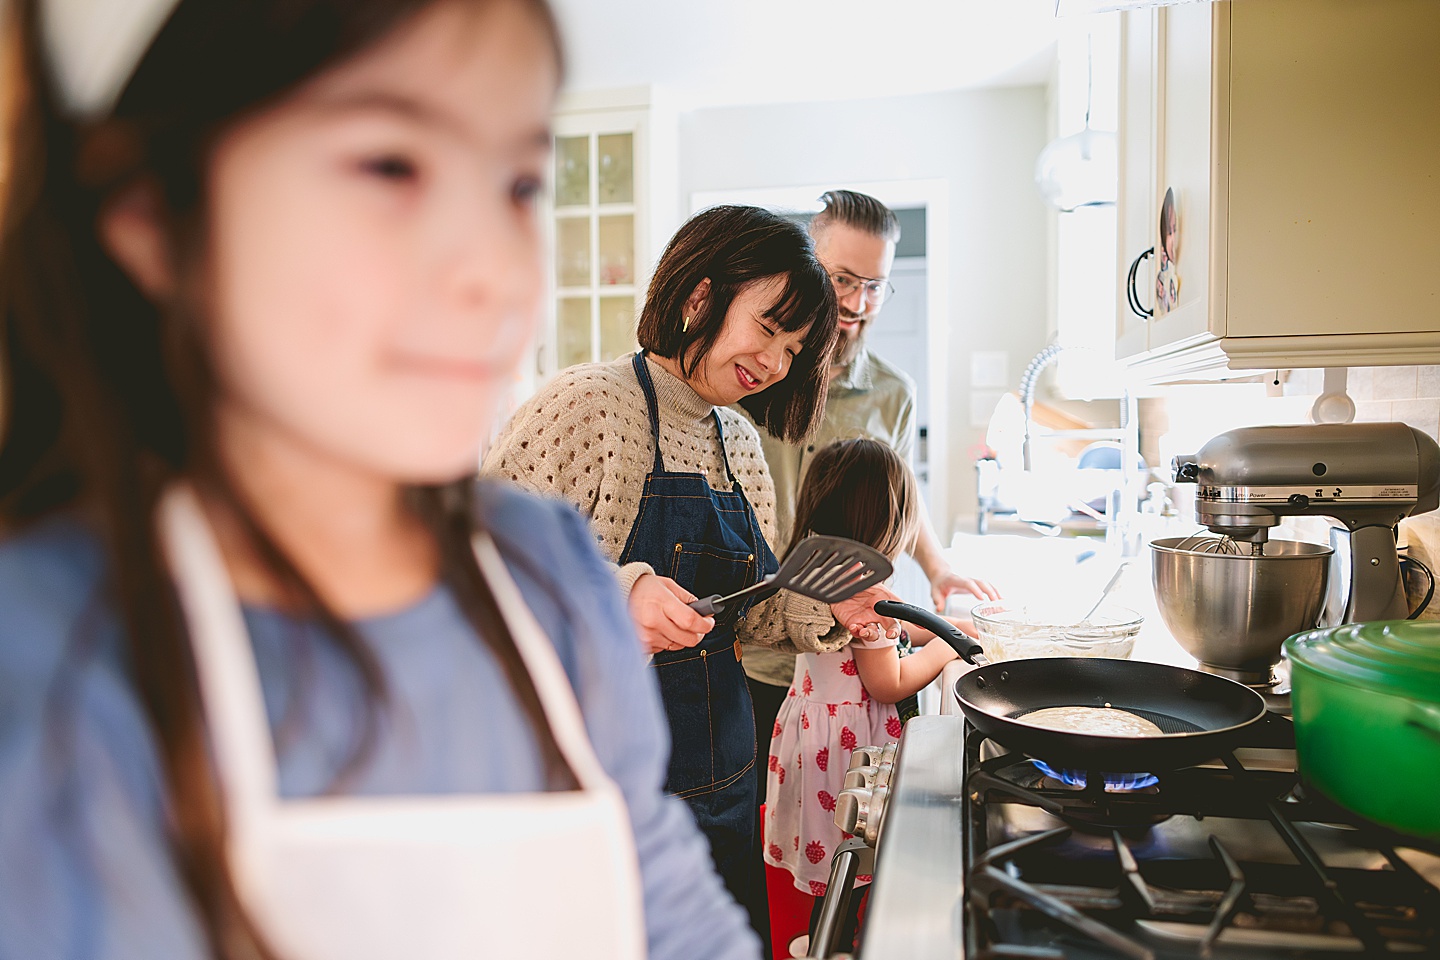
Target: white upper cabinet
1135, 213
1299, 142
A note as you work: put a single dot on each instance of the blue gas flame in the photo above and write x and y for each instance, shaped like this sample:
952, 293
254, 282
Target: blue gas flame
1114, 782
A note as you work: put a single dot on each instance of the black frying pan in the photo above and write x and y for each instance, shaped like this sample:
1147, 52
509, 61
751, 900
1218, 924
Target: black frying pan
1201, 715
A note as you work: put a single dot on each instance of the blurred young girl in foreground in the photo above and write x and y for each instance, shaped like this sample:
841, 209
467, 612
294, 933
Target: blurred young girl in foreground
277, 679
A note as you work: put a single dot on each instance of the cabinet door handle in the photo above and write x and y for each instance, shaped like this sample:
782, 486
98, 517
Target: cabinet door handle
1132, 294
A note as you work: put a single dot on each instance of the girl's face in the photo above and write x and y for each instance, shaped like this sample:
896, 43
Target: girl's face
374, 255
752, 352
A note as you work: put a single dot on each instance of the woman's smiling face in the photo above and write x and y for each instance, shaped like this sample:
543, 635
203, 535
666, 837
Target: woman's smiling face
752, 351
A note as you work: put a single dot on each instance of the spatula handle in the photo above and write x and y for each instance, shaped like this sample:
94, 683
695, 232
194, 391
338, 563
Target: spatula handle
708, 606
713, 604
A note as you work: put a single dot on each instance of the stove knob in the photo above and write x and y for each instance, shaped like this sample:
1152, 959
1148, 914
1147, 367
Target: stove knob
875, 815
852, 809
864, 757
860, 777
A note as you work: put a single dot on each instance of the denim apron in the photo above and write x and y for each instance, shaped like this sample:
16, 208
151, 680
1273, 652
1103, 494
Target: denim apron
709, 542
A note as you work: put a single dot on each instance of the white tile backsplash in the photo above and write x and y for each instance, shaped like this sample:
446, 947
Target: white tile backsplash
1359, 383
1421, 414
1428, 382
1373, 411
1304, 383
1394, 383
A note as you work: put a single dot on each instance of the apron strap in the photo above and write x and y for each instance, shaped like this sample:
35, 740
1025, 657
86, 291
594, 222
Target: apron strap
724, 457
557, 697
230, 693
642, 374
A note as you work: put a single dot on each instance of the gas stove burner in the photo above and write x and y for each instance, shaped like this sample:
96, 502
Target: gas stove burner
1103, 820
1114, 782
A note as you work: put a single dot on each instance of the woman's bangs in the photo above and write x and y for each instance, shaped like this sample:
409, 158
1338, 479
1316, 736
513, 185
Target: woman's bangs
799, 305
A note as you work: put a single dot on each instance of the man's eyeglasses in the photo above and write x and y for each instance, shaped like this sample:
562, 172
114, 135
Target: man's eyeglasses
876, 291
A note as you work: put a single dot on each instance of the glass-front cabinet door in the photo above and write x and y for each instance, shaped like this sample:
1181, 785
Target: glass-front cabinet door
595, 216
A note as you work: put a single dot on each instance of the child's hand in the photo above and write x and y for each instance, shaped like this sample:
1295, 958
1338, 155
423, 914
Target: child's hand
859, 617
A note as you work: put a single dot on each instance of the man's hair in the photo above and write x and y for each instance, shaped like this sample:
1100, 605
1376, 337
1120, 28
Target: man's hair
857, 210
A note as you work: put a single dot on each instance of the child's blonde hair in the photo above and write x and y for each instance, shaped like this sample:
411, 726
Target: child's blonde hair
863, 490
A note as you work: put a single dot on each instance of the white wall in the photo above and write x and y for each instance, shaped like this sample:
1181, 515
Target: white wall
983, 143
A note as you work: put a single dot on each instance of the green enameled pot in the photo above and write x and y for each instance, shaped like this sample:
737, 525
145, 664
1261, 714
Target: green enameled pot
1366, 699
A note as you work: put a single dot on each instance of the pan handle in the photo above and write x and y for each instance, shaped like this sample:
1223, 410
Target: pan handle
968, 649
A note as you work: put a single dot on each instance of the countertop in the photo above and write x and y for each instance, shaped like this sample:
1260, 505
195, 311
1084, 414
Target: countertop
1067, 573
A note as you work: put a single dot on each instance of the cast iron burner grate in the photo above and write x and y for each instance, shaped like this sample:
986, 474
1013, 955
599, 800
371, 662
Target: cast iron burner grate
1187, 867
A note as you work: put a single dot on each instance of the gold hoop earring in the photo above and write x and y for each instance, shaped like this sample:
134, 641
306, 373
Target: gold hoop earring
685, 327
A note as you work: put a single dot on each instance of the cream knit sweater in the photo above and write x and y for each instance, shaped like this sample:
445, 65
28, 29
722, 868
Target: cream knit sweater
586, 438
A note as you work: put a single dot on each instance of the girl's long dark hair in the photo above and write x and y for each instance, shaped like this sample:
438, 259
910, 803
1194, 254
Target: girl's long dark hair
109, 397
860, 489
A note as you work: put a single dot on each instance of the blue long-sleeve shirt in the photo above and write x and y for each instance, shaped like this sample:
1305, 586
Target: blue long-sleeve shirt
84, 865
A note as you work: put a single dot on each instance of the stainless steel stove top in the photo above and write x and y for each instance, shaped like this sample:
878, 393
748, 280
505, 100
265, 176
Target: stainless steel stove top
981, 855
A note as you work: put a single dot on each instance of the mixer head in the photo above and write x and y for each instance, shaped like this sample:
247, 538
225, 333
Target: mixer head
1362, 474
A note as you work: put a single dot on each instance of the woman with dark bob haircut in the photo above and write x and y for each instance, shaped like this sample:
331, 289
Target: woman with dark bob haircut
739, 311
278, 679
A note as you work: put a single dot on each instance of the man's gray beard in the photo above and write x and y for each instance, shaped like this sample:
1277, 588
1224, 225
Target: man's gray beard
848, 348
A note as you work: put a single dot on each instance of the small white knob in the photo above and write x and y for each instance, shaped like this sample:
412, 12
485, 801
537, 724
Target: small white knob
864, 757
852, 808
861, 777
875, 815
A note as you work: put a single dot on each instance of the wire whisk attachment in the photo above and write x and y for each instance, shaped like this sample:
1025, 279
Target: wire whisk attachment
1205, 543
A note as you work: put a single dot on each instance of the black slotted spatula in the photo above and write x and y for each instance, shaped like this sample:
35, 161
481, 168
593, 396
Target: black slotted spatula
828, 569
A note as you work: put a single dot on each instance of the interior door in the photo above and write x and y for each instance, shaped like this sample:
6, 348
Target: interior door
901, 335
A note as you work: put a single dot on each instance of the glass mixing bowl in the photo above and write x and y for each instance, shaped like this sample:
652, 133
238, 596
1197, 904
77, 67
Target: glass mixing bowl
1011, 631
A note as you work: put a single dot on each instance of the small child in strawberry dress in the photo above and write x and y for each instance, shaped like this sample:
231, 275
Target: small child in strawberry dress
862, 490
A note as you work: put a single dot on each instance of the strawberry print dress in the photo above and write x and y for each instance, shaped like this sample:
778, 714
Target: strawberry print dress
825, 716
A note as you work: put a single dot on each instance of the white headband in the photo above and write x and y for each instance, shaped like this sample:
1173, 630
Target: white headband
94, 46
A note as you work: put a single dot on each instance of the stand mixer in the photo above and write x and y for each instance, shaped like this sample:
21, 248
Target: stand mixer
1232, 602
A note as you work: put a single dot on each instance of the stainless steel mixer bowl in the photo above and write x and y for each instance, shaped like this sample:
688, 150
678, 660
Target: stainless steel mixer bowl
1232, 611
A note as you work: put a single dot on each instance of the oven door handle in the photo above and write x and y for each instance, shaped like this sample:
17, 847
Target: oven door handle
849, 859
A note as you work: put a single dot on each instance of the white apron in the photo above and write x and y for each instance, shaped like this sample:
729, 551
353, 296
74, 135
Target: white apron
535, 875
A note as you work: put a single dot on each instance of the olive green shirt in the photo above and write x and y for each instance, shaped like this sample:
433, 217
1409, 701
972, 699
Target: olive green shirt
871, 398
